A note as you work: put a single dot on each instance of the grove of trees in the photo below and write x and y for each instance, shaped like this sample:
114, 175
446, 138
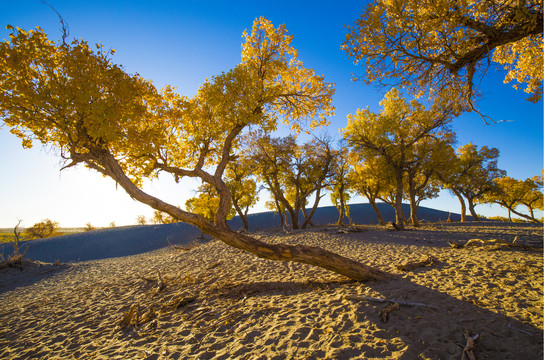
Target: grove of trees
73, 98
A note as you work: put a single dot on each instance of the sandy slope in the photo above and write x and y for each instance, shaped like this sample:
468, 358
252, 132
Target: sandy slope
220, 303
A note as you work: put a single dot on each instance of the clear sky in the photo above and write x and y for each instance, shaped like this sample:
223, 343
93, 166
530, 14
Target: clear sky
181, 43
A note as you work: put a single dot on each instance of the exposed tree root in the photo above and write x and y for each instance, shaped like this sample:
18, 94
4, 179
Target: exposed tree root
501, 243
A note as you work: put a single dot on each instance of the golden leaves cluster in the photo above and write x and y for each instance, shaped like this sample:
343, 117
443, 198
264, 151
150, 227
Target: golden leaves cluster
438, 45
73, 98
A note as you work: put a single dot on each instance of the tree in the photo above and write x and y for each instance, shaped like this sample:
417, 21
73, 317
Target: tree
140, 220
76, 100
394, 132
242, 186
89, 227
372, 178
425, 158
293, 173
510, 193
339, 185
441, 47
470, 174
160, 217
533, 198
43, 229
317, 172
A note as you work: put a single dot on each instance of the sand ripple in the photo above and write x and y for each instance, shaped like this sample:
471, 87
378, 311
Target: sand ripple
221, 303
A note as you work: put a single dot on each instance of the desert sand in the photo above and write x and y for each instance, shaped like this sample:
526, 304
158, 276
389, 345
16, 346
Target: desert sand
216, 302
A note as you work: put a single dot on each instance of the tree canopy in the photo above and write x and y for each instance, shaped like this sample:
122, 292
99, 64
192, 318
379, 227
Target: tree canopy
395, 132
442, 47
73, 98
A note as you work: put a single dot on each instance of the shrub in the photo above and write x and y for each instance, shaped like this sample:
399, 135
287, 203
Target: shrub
43, 229
89, 227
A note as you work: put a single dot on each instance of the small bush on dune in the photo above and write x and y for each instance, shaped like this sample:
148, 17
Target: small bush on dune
44, 229
89, 227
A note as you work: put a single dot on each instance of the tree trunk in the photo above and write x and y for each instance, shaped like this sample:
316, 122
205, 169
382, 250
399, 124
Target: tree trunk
308, 217
294, 218
510, 215
413, 209
341, 210
472, 211
377, 210
463, 206
243, 216
298, 253
399, 215
532, 219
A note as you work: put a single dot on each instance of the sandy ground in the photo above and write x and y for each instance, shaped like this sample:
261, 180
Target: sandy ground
221, 303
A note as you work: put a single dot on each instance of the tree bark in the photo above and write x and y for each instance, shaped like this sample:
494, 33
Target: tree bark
413, 210
342, 209
293, 214
527, 217
243, 216
298, 253
308, 217
377, 210
472, 211
463, 206
399, 215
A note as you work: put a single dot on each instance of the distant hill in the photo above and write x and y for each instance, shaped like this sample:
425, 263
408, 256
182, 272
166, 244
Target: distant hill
131, 240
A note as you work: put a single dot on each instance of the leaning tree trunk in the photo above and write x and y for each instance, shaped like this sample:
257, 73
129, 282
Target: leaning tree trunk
243, 216
527, 217
463, 206
472, 211
377, 210
308, 217
298, 253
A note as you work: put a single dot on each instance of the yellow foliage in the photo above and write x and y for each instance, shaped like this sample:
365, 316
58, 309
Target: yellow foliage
76, 100
437, 46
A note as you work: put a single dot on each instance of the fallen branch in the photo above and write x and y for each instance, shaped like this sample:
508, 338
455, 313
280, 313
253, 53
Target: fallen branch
521, 331
383, 300
429, 261
384, 313
468, 353
480, 242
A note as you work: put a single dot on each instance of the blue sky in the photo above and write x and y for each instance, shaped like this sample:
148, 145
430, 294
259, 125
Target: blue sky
181, 43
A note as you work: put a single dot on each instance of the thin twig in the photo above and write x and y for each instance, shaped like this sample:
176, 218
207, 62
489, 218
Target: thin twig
383, 300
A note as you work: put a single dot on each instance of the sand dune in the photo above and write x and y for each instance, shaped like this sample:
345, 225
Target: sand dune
221, 303
132, 240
